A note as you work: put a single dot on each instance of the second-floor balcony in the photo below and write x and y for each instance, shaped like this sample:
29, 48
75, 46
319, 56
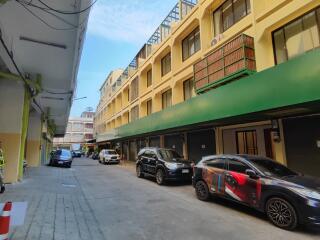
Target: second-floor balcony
231, 61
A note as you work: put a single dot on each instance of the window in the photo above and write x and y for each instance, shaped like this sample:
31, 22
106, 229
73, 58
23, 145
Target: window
128, 91
191, 44
166, 99
187, 89
88, 125
88, 136
247, 142
230, 13
237, 166
134, 89
149, 78
134, 113
216, 163
166, 64
77, 127
297, 37
149, 107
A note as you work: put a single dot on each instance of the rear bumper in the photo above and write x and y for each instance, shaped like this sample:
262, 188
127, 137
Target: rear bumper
62, 163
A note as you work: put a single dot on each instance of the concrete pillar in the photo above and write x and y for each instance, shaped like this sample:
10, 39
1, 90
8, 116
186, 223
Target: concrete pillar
34, 139
12, 114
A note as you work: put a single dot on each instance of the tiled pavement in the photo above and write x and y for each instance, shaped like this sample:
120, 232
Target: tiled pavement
57, 207
93, 201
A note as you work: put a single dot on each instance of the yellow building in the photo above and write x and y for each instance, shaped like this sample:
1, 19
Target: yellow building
235, 76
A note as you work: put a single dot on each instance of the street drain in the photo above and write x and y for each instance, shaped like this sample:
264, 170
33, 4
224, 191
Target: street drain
68, 185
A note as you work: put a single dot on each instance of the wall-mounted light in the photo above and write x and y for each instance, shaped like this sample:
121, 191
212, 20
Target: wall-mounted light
43, 42
275, 130
54, 98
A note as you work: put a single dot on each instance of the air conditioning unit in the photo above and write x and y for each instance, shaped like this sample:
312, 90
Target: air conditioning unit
216, 39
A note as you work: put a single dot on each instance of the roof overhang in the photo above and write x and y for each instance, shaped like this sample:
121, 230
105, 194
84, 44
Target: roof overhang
53, 54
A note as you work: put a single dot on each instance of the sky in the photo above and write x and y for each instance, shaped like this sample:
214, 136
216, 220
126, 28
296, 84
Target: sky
117, 29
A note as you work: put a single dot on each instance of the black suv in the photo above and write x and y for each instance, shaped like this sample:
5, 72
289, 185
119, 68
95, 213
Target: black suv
163, 164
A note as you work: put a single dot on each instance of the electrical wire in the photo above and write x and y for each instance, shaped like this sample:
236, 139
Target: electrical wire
13, 61
68, 12
18, 70
44, 22
48, 12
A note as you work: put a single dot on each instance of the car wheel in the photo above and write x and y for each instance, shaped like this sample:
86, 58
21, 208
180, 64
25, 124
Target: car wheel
160, 177
202, 191
139, 171
3, 188
281, 213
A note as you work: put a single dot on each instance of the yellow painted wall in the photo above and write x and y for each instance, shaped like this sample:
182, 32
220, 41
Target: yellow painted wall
33, 153
11, 150
265, 17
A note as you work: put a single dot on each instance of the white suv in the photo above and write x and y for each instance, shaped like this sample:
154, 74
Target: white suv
109, 156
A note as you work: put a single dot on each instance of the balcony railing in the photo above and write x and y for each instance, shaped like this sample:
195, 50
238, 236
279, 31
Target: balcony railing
233, 60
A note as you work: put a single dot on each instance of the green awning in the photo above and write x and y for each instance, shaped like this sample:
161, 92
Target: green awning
288, 84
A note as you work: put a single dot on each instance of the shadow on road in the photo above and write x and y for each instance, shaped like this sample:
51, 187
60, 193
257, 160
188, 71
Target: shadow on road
310, 230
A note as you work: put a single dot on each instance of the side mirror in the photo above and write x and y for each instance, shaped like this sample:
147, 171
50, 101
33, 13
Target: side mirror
252, 174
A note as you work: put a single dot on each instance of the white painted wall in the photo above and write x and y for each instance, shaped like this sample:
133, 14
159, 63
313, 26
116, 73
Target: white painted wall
11, 106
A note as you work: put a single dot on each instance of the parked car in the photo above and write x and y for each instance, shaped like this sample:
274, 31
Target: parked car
77, 153
287, 198
163, 164
109, 156
61, 158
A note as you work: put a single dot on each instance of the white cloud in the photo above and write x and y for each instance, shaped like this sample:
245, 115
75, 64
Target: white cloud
131, 21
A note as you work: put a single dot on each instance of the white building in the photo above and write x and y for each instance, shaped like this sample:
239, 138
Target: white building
79, 131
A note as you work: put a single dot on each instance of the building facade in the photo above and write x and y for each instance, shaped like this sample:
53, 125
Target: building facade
224, 76
79, 132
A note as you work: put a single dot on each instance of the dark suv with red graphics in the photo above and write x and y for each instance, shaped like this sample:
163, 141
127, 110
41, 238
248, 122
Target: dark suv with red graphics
163, 164
287, 198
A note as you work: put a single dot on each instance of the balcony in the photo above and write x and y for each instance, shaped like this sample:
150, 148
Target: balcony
232, 61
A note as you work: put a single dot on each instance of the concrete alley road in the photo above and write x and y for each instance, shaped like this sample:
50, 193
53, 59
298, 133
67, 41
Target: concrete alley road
94, 201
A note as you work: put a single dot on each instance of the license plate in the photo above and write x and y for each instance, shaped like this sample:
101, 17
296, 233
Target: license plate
60, 162
185, 170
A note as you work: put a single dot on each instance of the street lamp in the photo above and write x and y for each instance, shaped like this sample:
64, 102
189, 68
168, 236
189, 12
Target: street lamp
75, 99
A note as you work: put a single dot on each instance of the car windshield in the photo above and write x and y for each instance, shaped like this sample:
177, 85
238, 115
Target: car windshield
169, 155
111, 152
64, 153
272, 168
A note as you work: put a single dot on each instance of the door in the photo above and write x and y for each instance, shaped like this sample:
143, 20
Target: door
201, 143
174, 142
154, 142
132, 151
214, 175
239, 186
268, 143
145, 161
153, 162
302, 142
